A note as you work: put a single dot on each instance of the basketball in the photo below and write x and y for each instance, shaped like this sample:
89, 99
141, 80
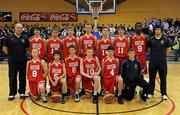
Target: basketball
55, 98
108, 98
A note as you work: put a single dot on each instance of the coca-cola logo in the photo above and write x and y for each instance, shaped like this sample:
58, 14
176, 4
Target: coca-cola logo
30, 17
47, 17
59, 17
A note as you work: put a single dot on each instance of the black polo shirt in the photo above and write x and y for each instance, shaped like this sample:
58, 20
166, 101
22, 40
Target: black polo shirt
158, 48
16, 48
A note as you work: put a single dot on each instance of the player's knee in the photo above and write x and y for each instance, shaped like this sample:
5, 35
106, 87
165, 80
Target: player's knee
78, 80
96, 78
41, 86
119, 80
63, 81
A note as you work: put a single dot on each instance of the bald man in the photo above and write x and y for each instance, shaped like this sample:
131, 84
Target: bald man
15, 47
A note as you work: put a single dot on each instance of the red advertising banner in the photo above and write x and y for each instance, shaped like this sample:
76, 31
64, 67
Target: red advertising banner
48, 17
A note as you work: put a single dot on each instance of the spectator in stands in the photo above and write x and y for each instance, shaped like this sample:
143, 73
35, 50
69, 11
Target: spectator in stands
177, 24
176, 48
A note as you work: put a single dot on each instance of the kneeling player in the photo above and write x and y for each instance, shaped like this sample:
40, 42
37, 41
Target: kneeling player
73, 72
111, 79
36, 73
131, 74
90, 69
57, 77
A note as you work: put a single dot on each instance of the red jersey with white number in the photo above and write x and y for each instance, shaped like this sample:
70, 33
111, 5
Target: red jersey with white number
103, 44
87, 41
121, 47
53, 44
139, 44
38, 44
56, 70
72, 66
90, 66
35, 71
110, 68
70, 41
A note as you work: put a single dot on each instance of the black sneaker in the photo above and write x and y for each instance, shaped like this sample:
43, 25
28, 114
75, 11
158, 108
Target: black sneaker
95, 99
11, 98
62, 99
143, 99
120, 99
82, 92
102, 92
23, 96
116, 93
77, 99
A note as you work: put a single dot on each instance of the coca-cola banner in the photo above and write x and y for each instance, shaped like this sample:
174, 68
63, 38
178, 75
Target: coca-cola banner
47, 17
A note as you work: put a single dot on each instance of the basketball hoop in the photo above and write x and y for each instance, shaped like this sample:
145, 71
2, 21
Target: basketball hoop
95, 12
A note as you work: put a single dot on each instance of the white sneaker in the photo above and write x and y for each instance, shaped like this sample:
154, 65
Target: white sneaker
164, 97
44, 99
150, 96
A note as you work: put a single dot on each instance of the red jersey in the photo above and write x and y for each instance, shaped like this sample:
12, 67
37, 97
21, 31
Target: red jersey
110, 68
55, 70
72, 66
121, 47
53, 44
139, 44
102, 47
87, 41
90, 66
35, 71
67, 42
38, 44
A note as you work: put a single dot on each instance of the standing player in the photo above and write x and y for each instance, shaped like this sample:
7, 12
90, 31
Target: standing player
90, 68
87, 40
121, 45
138, 43
54, 43
103, 43
36, 74
38, 42
57, 76
73, 72
70, 40
110, 74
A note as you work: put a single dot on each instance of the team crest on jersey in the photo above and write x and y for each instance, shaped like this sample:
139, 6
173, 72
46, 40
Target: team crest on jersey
135, 66
162, 41
23, 41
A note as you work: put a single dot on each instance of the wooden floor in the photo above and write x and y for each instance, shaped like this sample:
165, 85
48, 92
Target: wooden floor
155, 107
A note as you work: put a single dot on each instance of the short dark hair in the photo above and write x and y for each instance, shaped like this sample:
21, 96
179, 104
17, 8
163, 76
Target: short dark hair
138, 23
89, 48
121, 27
72, 46
105, 28
56, 52
158, 26
54, 29
36, 28
130, 50
111, 47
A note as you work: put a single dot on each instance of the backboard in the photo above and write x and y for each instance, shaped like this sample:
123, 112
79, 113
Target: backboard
108, 6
